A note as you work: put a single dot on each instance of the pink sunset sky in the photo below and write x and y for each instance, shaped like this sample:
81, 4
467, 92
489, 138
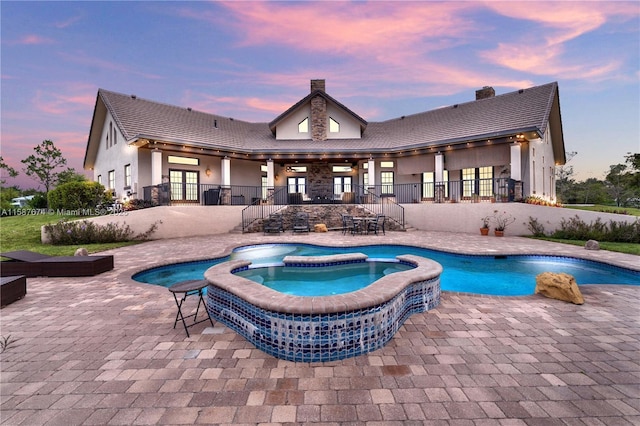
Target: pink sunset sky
253, 60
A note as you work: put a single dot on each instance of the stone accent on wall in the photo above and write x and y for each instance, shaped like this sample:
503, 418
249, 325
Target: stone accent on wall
318, 118
328, 214
485, 92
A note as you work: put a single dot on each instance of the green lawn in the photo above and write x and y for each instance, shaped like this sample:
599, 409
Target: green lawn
23, 233
628, 248
608, 209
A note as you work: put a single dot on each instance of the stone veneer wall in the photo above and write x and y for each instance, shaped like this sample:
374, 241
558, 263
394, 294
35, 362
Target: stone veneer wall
318, 118
329, 214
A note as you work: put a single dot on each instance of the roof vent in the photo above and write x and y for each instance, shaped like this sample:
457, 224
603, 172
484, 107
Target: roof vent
134, 97
188, 108
521, 90
455, 106
215, 123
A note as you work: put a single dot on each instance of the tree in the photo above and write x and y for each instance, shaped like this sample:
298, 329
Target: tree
11, 172
42, 165
617, 182
564, 182
69, 175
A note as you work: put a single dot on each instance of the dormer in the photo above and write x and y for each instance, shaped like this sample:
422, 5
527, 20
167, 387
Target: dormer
318, 117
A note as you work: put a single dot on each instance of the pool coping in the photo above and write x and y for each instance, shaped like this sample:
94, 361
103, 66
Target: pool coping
380, 291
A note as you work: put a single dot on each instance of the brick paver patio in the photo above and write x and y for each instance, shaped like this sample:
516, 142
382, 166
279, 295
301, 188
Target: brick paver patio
102, 351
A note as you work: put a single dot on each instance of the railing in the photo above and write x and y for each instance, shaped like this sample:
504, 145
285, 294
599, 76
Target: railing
462, 191
263, 208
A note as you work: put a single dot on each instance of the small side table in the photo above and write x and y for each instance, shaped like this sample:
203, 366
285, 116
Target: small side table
189, 288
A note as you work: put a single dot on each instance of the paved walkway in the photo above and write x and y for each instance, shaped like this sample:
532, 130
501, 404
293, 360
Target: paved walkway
102, 351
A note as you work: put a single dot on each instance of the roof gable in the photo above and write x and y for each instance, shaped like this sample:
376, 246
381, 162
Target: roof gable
307, 101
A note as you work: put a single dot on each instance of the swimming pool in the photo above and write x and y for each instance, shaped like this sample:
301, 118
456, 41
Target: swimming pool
512, 275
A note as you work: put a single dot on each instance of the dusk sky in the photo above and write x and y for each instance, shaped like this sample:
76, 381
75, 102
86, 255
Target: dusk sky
253, 60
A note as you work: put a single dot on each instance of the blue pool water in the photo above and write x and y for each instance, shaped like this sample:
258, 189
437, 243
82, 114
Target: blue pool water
491, 275
321, 281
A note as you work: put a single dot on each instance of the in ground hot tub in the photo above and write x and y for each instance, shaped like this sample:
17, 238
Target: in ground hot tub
321, 328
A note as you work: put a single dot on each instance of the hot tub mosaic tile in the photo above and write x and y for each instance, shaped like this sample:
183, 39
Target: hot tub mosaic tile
321, 337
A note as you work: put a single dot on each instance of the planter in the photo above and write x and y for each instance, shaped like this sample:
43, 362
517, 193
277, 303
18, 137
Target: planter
499, 233
484, 231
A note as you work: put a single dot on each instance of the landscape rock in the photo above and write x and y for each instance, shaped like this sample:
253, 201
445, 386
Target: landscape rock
559, 286
81, 252
592, 245
320, 227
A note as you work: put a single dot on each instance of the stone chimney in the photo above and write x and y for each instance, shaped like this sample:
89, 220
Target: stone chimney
485, 92
319, 118
317, 85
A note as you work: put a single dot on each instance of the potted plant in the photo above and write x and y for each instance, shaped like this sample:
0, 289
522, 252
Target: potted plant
502, 220
484, 230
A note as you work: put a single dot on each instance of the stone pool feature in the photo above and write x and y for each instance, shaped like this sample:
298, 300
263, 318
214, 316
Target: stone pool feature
321, 328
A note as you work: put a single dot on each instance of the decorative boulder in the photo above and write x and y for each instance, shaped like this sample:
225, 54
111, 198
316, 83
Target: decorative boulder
81, 252
320, 227
559, 286
592, 245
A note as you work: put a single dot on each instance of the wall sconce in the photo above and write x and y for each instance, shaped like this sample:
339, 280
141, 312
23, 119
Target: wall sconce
276, 177
207, 172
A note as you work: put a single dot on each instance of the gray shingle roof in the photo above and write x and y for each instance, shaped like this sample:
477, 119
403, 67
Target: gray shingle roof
523, 110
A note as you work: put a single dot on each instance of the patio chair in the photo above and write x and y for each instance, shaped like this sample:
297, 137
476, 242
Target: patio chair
301, 222
376, 224
346, 221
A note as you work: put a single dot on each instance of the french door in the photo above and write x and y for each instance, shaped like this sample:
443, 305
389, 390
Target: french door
184, 185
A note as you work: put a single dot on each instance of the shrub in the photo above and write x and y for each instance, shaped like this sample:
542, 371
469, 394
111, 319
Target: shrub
76, 195
535, 227
137, 204
87, 232
39, 201
576, 229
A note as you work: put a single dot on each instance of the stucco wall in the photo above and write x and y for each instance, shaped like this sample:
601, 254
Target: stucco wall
467, 217
187, 221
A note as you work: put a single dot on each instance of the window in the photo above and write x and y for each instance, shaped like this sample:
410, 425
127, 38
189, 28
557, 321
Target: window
127, 176
107, 142
184, 185
263, 168
334, 126
265, 188
341, 184
112, 179
303, 126
433, 189
477, 181
386, 180
100, 179
297, 184
110, 135
341, 169
189, 161
365, 180
386, 164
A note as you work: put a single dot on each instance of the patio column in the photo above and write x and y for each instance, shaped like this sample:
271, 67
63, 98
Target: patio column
156, 167
270, 174
516, 162
225, 169
439, 167
371, 172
